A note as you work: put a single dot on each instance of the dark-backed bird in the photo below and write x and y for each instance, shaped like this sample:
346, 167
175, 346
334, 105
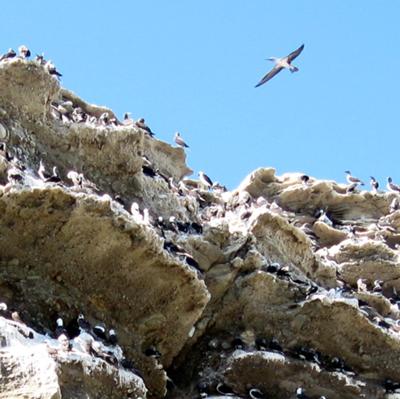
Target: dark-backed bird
281, 63
40, 59
24, 52
391, 186
352, 179
60, 329
374, 184
112, 337
255, 393
179, 140
141, 124
205, 180
300, 394
9, 54
51, 69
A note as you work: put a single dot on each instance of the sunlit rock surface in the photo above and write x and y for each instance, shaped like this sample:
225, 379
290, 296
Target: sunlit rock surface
280, 284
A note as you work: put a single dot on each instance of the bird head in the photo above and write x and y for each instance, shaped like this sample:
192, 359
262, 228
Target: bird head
389, 179
271, 59
347, 172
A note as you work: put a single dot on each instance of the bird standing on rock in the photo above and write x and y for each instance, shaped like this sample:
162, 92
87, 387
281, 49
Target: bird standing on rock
281, 63
8, 55
24, 52
205, 180
374, 185
352, 179
179, 140
391, 186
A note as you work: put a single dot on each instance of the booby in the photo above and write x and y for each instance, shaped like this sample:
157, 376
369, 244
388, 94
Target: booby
374, 184
14, 175
224, 389
394, 205
77, 178
361, 286
255, 393
391, 186
205, 180
179, 140
305, 179
112, 337
141, 124
281, 63
127, 119
100, 332
104, 118
9, 54
83, 323
40, 59
300, 394
152, 351
51, 69
24, 52
352, 179
65, 345
60, 329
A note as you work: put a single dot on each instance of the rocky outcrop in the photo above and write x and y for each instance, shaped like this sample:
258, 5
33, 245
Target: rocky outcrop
283, 283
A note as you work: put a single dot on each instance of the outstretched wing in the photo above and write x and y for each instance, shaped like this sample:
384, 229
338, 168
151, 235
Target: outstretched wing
276, 69
295, 54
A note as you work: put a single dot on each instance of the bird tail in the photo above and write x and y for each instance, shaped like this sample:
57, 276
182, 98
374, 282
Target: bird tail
293, 69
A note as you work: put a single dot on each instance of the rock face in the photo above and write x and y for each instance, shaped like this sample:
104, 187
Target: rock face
281, 284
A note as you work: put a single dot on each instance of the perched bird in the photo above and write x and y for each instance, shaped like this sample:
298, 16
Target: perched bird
141, 124
224, 389
205, 180
374, 184
14, 175
112, 337
391, 186
300, 394
63, 340
394, 205
305, 179
46, 177
179, 140
351, 179
104, 118
152, 351
60, 329
255, 393
127, 119
24, 52
9, 54
281, 63
40, 59
83, 323
100, 332
51, 69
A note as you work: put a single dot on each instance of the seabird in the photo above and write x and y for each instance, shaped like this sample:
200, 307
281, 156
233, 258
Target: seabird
63, 340
281, 63
112, 337
83, 323
40, 59
255, 393
205, 180
77, 178
305, 179
141, 124
104, 118
300, 394
224, 389
152, 351
351, 188
60, 329
361, 286
9, 54
391, 186
351, 179
100, 332
374, 184
14, 175
127, 119
51, 69
24, 52
394, 205
178, 140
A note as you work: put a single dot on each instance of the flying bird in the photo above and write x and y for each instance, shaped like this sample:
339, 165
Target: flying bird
179, 140
281, 63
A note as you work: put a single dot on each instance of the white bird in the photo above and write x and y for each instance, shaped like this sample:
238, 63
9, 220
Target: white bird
352, 179
205, 180
281, 63
24, 52
391, 186
179, 140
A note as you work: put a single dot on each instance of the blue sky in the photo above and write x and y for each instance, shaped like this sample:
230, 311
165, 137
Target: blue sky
191, 67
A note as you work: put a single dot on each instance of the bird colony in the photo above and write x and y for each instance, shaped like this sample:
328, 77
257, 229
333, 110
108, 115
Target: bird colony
121, 277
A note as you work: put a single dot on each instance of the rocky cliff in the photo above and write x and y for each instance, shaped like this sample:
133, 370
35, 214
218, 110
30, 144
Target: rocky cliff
285, 287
